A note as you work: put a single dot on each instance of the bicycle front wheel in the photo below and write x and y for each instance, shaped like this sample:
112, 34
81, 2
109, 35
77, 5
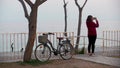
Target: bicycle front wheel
65, 51
42, 53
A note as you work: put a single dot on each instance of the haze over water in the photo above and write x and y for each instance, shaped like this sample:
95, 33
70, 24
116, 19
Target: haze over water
51, 16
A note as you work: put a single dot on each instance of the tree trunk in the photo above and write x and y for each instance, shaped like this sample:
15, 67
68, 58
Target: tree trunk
32, 19
79, 29
65, 22
79, 23
65, 11
32, 34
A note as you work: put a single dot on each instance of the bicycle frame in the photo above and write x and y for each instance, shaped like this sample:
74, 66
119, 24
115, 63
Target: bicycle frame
55, 51
63, 48
51, 45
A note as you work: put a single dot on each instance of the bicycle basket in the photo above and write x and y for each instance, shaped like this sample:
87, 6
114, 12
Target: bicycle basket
42, 39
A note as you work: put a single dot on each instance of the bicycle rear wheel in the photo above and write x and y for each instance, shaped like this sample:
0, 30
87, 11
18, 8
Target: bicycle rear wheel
65, 51
42, 53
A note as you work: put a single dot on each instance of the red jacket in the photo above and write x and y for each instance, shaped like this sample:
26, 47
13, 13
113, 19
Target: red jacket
92, 28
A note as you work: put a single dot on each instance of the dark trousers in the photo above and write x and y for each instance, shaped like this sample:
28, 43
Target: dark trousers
91, 44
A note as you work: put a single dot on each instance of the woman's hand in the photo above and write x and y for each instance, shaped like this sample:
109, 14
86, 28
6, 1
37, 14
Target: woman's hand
95, 18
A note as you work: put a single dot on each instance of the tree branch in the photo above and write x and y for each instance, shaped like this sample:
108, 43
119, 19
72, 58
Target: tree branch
76, 2
29, 2
39, 2
84, 3
65, 4
25, 9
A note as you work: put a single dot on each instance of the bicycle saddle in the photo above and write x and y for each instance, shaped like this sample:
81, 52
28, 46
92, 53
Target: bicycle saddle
60, 38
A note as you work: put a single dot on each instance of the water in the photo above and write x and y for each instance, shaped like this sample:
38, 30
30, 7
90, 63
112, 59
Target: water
7, 40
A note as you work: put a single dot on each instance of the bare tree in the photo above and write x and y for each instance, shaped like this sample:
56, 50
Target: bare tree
65, 11
65, 29
79, 22
32, 19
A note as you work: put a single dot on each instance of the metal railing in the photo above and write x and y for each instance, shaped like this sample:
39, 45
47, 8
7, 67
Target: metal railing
12, 45
108, 45
100, 46
111, 43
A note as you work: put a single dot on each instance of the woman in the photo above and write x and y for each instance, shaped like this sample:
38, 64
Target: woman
92, 34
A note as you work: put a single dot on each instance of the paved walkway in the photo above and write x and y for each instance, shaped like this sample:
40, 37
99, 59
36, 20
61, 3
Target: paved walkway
96, 58
100, 59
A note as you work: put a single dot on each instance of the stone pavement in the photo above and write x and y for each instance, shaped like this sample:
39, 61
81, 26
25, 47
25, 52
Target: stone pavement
100, 59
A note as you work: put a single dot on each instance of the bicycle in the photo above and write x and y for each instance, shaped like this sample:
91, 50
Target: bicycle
44, 50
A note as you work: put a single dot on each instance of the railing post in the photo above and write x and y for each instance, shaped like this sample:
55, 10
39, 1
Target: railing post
117, 39
106, 41
103, 42
119, 43
84, 44
72, 39
3, 44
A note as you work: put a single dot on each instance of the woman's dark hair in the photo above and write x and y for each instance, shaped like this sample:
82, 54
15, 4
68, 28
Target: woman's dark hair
89, 18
